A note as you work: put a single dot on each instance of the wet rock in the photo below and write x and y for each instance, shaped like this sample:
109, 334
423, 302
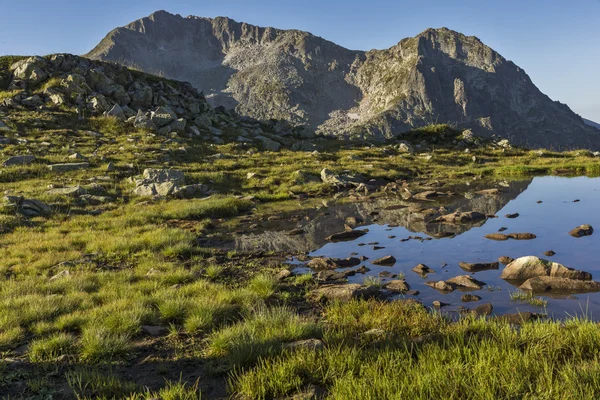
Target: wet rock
466, 282
467, 298
385, 261
346, 236
483, 310
502, 229
441, 286
19, 160
542, 284
423, 270
476, 267
505, 260
398, 285
461, 217
68, 167
512, 216
413, 292
515, 236
497, 236
522, 236
332, 263
343, 292
309, 344
549, 253
529, 267
581, 231
439, 304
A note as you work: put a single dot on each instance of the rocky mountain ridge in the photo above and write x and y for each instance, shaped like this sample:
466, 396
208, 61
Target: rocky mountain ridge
438, 76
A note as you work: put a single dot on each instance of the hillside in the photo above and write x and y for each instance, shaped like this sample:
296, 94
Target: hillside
438, 76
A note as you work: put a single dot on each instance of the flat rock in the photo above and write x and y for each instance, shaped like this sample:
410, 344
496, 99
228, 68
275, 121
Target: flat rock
441, 286
343, 292
467, 298
68, 167
19, 160
385, 261
529, 267
466, 282
476, 267
542, 284
346, 236
515, 236
397, 285
581, 231
423, 270
332, 263
505, 260
512, 216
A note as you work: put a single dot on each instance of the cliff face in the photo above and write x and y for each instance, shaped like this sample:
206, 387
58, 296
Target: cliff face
439, 76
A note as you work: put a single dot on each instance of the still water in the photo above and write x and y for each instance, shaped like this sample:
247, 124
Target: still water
548, 207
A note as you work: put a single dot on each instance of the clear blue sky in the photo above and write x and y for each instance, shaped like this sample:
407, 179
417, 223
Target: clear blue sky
556, 41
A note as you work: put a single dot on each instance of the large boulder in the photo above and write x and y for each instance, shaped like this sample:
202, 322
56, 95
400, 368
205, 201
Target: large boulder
343, 292
542, 284
163, 116
141, 95
581, 231
30, 70
161, 182
530, 267
116, 112
143, 121
164, 175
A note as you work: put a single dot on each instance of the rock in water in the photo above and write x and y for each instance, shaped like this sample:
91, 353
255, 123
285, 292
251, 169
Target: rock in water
529, 267
581, 231
542, 284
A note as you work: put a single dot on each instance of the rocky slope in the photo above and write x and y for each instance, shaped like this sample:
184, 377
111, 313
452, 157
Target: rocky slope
439, 76
147, 102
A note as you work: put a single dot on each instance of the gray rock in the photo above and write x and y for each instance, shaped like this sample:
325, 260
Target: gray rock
73, 191
34, 208
543, 284
116, 112
529, 267
343, 292
30, 70
164, 175
142, 121
466, 282
163, 116
269, 144
190, 191
19, 160
68, 167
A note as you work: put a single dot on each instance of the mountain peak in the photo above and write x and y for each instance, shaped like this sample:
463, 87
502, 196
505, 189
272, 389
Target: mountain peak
437, 76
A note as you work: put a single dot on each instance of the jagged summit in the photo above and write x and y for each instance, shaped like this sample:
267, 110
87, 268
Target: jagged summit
438, 76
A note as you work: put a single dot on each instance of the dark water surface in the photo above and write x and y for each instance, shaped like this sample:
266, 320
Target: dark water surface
550, 221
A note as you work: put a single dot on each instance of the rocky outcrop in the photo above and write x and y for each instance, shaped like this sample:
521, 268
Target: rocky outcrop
437, 76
